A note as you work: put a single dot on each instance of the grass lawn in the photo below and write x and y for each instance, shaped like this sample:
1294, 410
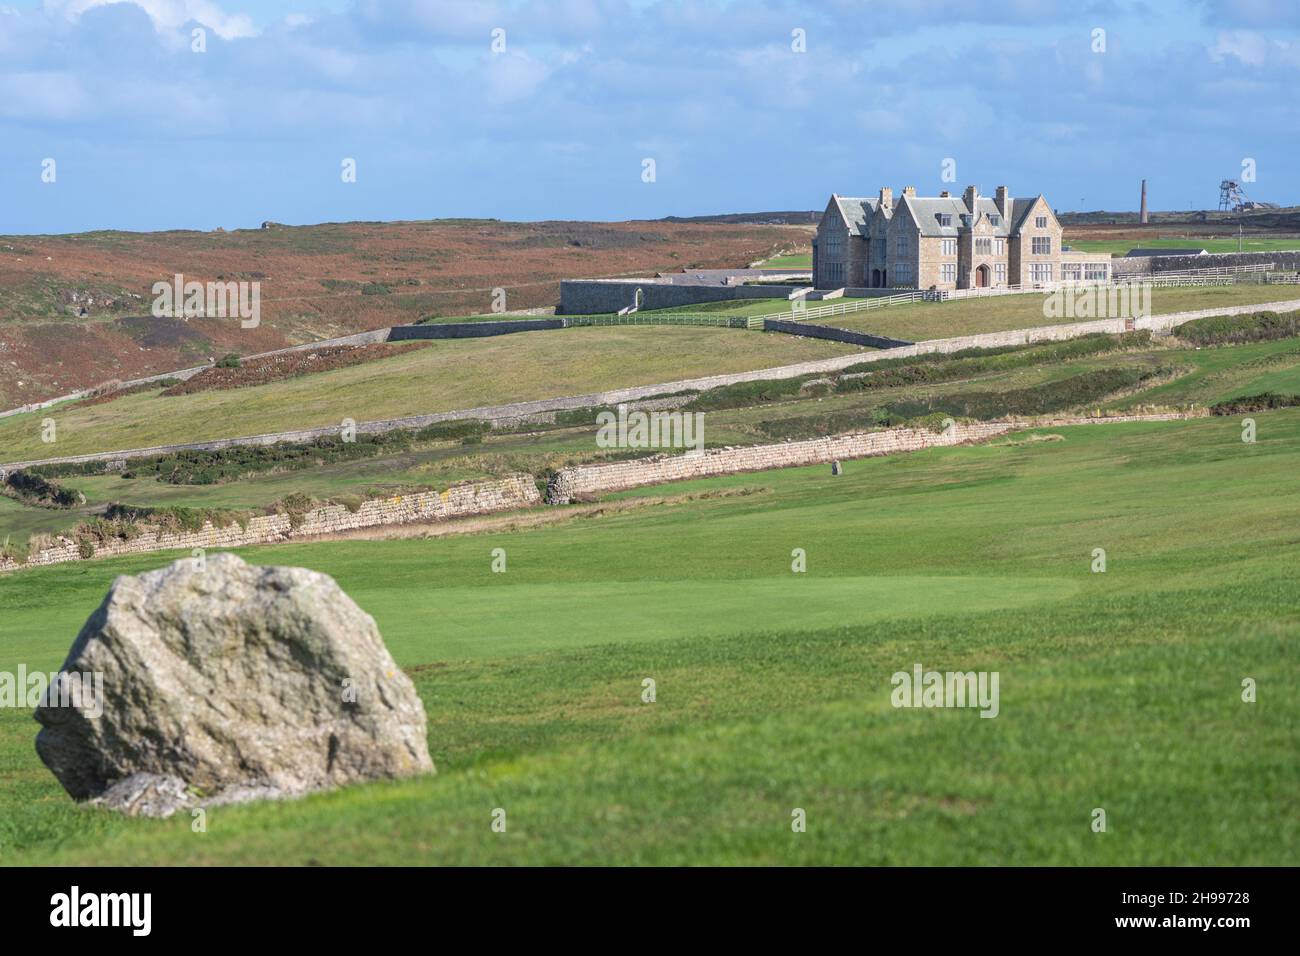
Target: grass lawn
918, 321
1219, 244
448, 375
1118, 690
799, 261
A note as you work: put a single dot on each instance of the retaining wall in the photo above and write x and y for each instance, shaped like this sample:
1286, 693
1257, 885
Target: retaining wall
569, 483
1154, 265
515, 491
813, 331
469, 330
595, 296
616, 476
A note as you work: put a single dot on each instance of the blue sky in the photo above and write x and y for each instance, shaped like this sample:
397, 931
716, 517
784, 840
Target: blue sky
145, 133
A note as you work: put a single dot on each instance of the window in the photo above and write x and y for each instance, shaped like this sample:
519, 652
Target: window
1071, 271
1000, 246
948, 272
1041, 222
1041, 245
900, 245
983, 247
995, 219
947, 247
1094, 270
967, 219
1041, 272
835, 271
834, 246
902, 272
945, 219
1000, 270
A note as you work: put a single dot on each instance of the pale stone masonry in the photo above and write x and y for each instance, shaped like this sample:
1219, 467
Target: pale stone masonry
946, 242
569, 483
589, 480
514, 491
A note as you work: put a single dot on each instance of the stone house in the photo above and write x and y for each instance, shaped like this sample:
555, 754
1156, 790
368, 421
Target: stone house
945, 242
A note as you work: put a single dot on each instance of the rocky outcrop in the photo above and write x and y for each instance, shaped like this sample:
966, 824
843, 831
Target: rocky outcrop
215, 681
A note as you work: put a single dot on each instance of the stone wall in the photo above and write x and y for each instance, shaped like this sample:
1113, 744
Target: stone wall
583, 480
569, 483
515, 491
814, 331
470, 330
1154, 265
598, 296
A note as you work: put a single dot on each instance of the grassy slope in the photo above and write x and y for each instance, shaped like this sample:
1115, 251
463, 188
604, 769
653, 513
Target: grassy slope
1213, 374
1118, 690
451, 375
935, 320
1122, 246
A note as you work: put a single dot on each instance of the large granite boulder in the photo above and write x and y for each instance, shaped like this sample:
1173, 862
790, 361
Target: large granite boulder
225, 682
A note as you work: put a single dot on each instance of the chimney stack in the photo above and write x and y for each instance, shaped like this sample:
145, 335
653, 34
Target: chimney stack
909, 190
944, 195
886, 197
1000, 200
1142, 215
971, 194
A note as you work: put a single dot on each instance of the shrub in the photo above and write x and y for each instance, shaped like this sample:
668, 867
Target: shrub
1229, 329
1254, 403
229, 360
1070, 392
34, 489
296, 506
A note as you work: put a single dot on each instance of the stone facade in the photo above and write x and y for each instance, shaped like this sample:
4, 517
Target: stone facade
946, 242
515, 491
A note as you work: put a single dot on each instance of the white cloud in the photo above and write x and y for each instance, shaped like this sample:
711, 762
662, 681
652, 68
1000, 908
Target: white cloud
167, 15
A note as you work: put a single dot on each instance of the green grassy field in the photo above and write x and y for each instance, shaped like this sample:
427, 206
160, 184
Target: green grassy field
449, 375
918, 321
1218, 244
1118, 690
798, 261
1208, 375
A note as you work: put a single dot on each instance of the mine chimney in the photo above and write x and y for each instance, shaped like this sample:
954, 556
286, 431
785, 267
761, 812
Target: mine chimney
1142, 214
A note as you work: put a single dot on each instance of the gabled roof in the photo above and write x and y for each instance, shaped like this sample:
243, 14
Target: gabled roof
857, 212
926, 210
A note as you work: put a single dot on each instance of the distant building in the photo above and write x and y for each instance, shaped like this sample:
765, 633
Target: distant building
1165, 252
945, 242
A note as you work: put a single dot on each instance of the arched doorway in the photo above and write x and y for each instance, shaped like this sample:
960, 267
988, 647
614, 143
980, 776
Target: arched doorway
982, 277
875, 278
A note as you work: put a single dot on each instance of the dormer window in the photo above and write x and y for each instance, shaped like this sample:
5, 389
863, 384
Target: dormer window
967, 219
995, 220
945, 219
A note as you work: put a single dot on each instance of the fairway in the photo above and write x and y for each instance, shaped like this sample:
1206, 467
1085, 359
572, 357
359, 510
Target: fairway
1119, 689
